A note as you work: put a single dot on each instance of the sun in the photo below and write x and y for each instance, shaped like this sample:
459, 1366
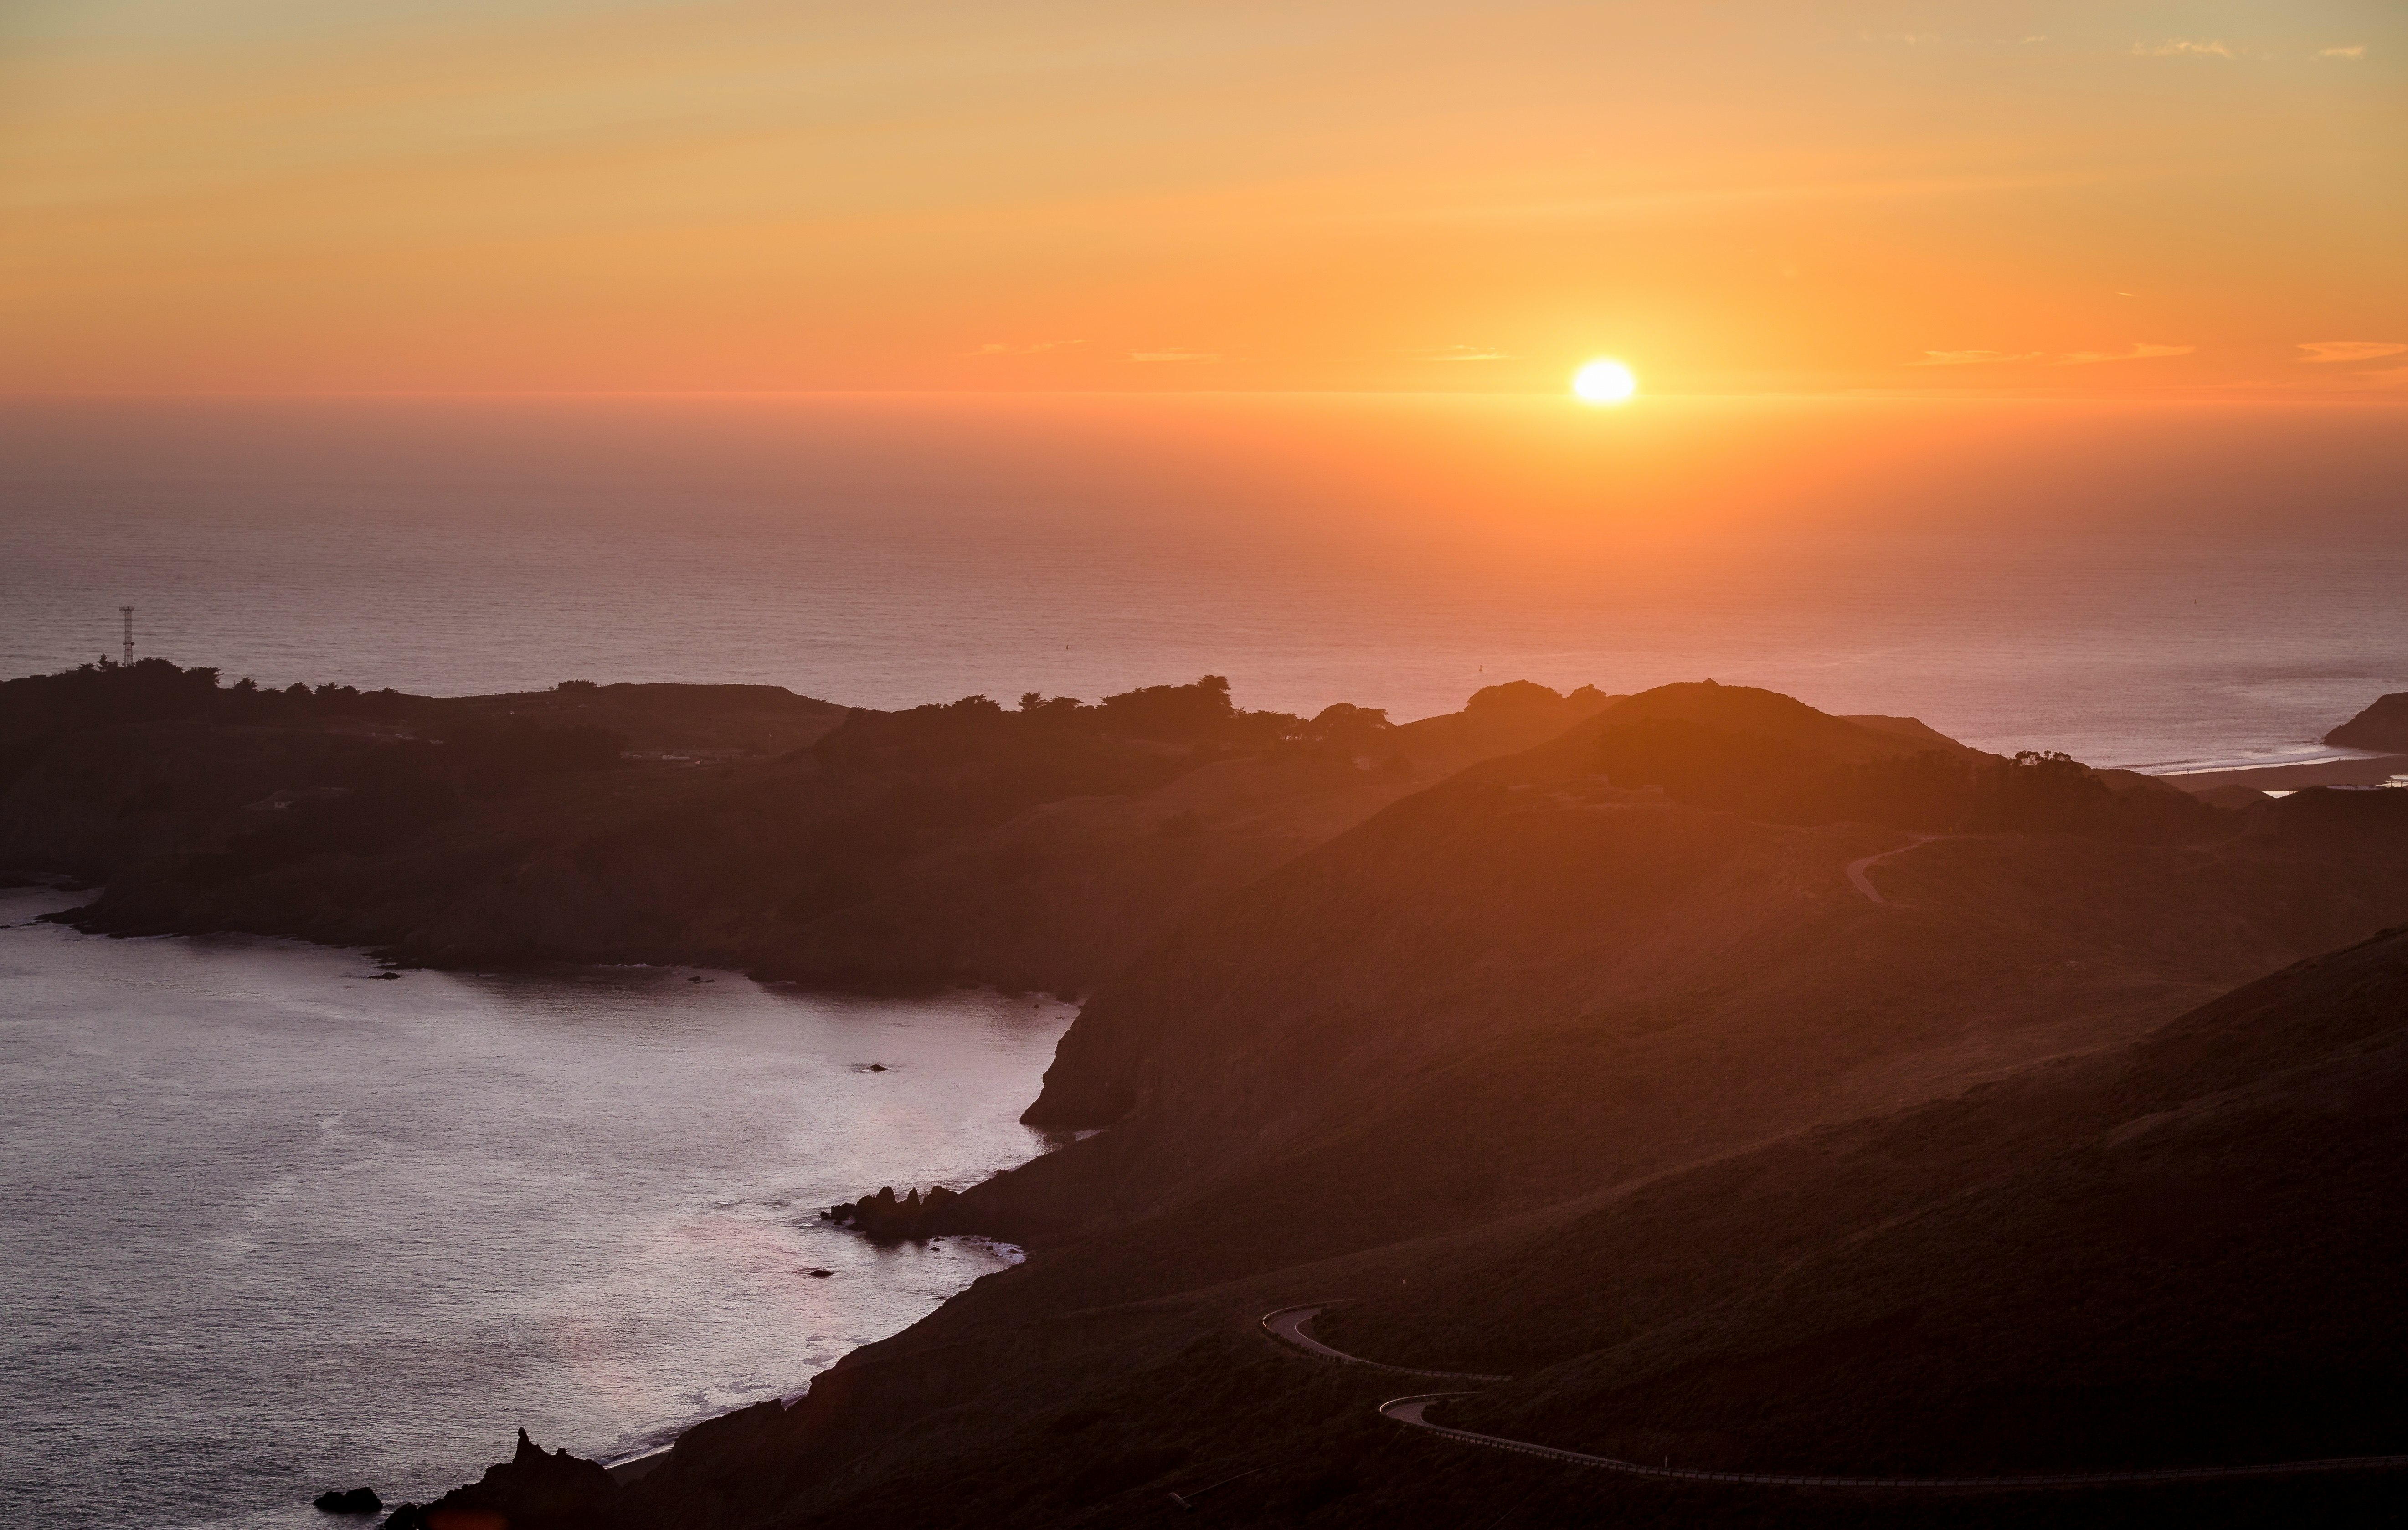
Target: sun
1604, 382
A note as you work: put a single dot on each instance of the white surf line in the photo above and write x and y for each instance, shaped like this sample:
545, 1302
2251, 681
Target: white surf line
1408, 1410
1287, 1326
637, 1468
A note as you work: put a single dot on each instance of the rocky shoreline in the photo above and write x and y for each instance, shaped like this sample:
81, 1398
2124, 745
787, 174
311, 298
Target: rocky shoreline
883, 1218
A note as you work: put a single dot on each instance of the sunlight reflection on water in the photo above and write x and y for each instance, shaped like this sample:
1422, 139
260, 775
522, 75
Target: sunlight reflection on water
274, 1230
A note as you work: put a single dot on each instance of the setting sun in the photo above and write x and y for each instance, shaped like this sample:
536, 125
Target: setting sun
1604, 382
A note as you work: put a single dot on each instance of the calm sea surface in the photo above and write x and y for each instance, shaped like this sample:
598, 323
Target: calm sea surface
2134, 590
272, 1227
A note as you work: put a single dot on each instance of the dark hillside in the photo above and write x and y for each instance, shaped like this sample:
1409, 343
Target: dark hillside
1736, 711
1590, 984
107, 768
2184, 1250
1428, 1066
1033, 847
1769, 757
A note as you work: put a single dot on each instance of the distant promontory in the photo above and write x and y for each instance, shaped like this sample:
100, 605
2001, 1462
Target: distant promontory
2381, 726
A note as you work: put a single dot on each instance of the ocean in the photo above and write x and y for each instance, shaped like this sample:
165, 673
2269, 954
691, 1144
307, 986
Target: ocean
274, 1227
2137, 588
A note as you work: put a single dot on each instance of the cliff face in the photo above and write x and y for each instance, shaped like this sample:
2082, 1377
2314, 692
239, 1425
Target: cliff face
2382, 725
1557, 1076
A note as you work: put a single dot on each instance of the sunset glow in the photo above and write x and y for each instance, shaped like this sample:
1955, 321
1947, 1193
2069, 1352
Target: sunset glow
947, 196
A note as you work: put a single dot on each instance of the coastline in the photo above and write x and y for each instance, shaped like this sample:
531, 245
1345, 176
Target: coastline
2339, 768
1151, 838
1129, 1362
2325, 765
637, 1468
735, 1234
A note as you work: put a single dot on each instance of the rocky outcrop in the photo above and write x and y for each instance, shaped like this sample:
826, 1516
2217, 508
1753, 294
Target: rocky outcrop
534, 1490
887, 1219
2381, 726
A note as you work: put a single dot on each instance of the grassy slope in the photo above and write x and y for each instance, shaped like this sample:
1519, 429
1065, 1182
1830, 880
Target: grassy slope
2176, 1252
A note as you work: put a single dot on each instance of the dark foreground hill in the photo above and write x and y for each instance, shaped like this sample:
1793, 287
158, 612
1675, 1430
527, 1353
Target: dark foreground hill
1742, 1128
2184, 1250
1031, 847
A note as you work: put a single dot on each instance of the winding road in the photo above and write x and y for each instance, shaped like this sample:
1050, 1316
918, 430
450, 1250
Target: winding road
1857, 868
1287, 1326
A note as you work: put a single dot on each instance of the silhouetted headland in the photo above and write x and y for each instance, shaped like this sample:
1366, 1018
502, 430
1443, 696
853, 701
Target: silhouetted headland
1035, 846
2382, 725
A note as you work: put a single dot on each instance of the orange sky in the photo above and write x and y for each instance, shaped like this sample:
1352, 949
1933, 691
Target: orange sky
1421, 195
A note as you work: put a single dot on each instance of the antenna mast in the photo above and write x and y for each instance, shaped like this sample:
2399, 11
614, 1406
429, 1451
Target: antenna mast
128, 612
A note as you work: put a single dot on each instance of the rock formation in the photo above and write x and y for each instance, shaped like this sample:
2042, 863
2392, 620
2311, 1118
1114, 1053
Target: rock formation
2382, 725
534, 1490
887, 1219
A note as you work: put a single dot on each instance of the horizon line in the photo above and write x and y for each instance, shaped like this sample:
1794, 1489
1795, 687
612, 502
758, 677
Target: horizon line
2204, 394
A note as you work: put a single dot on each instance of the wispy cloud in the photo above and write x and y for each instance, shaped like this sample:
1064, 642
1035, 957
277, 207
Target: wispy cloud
2184, 47
1174, 355
1462, 353
2142, 350
1975, 358
2354, 50
997, 348
2349, 351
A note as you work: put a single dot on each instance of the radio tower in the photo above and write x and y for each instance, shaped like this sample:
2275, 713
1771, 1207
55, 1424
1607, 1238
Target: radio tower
128, 612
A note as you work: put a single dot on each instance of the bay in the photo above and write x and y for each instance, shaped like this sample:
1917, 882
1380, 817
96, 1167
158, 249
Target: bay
274, 1225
